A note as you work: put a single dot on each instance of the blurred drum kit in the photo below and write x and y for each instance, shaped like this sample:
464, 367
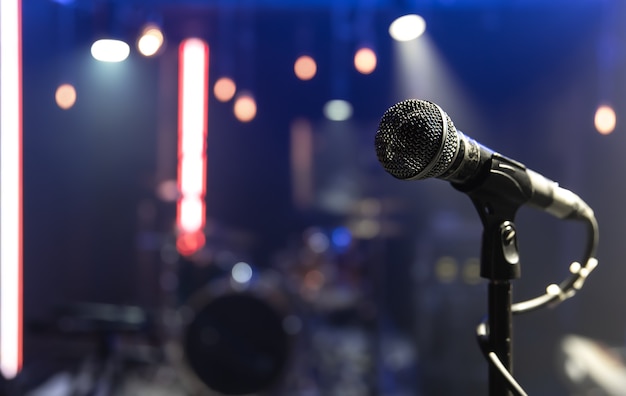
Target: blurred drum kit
307, 324
304, 325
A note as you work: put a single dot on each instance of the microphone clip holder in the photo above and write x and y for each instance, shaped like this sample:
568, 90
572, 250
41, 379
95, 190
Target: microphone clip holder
497, 198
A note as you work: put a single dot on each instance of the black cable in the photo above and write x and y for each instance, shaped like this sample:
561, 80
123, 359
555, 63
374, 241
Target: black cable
493, 359
555, 294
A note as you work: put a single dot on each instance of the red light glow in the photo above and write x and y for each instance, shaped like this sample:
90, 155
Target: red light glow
189, 243
192, 137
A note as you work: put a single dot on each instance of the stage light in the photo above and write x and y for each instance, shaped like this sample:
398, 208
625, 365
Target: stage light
420, 70
245, 108
407, 27
605, 119
365, 228
365, 60
446, 269
191, 214
471, 271
109, 50
65, 96
151, 40
11, 253
189, 243
224, 89
317, 241
301, 158
305, 67
193, 173
338, 110
241, 273
192, 136
341, 237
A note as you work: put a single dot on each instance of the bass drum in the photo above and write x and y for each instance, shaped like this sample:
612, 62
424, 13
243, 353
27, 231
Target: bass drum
236, 338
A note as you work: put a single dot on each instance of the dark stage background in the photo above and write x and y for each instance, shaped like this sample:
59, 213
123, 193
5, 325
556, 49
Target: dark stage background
395, 311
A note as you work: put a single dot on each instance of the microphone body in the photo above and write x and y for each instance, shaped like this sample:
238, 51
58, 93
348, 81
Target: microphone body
416, 140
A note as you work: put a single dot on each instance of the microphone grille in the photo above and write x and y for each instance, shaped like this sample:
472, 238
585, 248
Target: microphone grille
411, 142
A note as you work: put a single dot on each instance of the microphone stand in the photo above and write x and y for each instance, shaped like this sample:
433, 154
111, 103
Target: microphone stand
499, 264
501, 192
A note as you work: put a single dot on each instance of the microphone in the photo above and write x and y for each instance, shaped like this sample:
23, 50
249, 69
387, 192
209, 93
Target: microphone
417, 140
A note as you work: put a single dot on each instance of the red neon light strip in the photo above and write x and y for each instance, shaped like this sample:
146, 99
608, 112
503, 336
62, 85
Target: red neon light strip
192, 136
11, 249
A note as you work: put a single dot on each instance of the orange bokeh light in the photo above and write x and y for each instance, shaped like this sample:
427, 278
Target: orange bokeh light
245, 108
65, 96
305, 67
224, 89
365, 60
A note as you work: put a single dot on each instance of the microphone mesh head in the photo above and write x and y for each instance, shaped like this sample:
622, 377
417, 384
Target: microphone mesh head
410, 141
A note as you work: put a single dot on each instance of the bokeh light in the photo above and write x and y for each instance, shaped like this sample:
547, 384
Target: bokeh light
245, 108
305, 67
108, 50
338, 110
471, 271
224, 89
407, 27
151, 40
341, 237
317, 241
241, 272
189, 243
605, 119
365, 228
365, 60
446, 269
65, 96
314, 280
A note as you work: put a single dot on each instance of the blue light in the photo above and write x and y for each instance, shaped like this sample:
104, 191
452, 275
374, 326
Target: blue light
341, 237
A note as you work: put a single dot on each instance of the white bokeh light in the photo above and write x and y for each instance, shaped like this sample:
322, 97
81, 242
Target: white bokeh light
108, 50
241, 272
338, 110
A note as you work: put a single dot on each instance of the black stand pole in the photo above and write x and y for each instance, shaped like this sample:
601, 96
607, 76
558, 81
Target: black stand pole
500, 335
499, 264
497, 198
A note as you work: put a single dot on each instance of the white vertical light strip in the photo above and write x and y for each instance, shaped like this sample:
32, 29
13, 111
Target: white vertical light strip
192, 135
10, 188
